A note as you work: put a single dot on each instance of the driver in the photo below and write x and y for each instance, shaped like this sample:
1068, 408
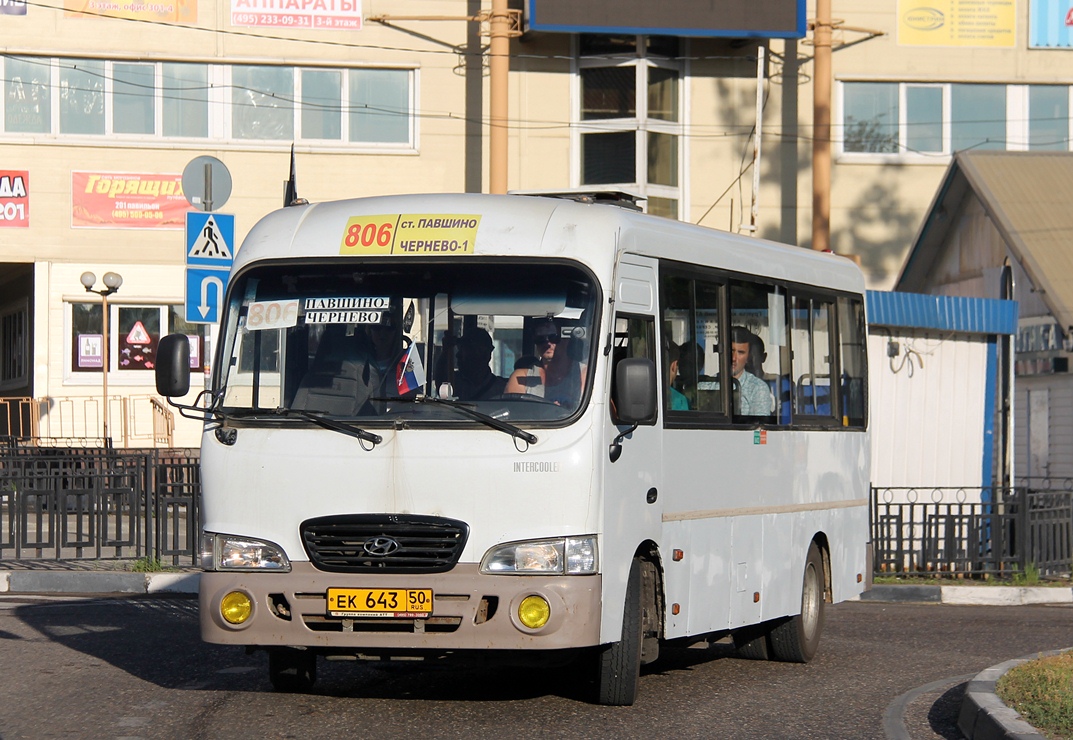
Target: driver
553, 374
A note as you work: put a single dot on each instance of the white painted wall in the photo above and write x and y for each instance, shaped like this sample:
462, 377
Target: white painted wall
927, 409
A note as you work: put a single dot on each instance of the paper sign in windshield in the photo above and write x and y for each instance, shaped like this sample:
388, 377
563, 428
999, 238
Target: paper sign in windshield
283, 314
272, 315
410, 234
356, 310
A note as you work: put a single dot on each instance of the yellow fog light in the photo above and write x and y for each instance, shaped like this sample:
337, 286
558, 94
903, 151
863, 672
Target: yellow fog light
533, 612
236, 607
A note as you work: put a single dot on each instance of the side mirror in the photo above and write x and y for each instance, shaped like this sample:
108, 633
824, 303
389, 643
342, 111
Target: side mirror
173, 365
635, 390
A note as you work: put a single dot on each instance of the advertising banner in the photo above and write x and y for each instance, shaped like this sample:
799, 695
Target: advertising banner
172, 11
14, 198
991, 23
1050, 24
310, 14
127, 201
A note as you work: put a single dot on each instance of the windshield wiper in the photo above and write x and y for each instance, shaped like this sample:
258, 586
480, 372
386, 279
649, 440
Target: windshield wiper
467, 410
332, 424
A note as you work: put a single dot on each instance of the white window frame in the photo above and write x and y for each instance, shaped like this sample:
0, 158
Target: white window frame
1017, 122
117, 377
219, 110
640, 124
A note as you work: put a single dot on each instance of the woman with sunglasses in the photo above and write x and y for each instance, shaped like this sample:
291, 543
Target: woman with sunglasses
552, 375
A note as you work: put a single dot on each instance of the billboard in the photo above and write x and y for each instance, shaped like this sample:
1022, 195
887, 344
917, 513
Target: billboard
986, 23
304, 14
1050, 24
14, 198
727, 18
127, 201
171, 11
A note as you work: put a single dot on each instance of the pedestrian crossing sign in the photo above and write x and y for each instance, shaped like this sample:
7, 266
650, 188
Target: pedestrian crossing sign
209, 239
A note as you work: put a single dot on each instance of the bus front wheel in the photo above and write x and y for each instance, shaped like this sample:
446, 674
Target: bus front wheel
796, 639
618, 667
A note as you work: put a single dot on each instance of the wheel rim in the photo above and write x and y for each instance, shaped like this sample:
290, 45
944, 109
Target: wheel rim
810, 602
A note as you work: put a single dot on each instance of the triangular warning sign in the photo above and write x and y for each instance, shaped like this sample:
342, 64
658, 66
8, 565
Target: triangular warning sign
210, 243
138, 335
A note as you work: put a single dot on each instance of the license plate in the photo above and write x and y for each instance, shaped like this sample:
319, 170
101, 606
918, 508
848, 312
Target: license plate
413, 603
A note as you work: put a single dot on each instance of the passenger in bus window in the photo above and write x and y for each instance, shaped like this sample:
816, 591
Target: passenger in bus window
678, 400
757, 356
474, 379
754, 396
552, 374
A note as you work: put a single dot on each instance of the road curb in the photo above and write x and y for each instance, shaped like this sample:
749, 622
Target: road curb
984, 716
97, 582
970, 595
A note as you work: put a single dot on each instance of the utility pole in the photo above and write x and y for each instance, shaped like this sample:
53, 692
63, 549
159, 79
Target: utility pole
821, 131
754, 213
503, 25
498, 73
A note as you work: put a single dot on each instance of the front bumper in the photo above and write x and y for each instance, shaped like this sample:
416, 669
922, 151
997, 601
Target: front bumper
470, 611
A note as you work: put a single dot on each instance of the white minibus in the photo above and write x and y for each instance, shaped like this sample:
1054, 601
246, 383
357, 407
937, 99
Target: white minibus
527, 426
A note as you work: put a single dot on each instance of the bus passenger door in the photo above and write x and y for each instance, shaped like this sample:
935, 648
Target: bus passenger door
632, 509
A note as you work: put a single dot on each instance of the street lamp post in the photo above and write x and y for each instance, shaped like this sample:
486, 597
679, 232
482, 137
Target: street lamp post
112, 281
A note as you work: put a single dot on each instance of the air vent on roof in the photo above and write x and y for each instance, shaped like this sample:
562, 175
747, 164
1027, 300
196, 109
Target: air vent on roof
619, 198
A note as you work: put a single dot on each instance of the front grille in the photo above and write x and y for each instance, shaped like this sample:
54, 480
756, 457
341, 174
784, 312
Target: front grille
383, 543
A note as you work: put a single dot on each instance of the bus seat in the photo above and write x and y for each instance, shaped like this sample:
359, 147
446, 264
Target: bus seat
782, 390
814, 395
337, 381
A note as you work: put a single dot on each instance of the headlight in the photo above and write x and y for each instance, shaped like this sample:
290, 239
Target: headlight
226, 552
566, 555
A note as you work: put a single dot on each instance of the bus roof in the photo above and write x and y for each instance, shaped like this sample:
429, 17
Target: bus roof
464, 226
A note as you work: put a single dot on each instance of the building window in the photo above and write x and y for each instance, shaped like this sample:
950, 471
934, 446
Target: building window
154, 100
629, 134
909, 120
14, 345
27, 95
133, 334
185, 93
81, 93
977, 117
134, 98
924, 118
322, 99
1048, 117
262, 103
380, 106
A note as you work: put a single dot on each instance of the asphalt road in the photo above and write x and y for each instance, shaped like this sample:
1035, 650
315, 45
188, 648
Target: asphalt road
135, 668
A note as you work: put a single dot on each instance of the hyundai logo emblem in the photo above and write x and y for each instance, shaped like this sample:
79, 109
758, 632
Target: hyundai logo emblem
380, 546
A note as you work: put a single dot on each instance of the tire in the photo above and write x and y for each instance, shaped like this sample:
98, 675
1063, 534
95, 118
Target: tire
753, 643
796, 639
618, 665
292, 671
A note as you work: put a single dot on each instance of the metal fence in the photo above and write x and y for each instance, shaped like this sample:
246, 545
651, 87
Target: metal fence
139, 420
80, 499
973, 531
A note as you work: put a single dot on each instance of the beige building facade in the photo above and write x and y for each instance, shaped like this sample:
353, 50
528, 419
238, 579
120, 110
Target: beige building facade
105, 103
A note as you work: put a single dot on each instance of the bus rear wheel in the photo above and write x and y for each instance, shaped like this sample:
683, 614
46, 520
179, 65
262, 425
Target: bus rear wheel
292, 671
797, 639
618, 665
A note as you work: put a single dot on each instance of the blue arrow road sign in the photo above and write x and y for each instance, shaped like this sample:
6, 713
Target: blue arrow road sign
204, 294
210, 239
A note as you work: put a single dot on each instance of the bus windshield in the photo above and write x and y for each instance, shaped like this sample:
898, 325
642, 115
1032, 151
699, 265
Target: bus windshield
512, 340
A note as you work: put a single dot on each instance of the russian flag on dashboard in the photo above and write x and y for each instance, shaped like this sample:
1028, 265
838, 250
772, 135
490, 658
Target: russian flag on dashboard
410, 374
